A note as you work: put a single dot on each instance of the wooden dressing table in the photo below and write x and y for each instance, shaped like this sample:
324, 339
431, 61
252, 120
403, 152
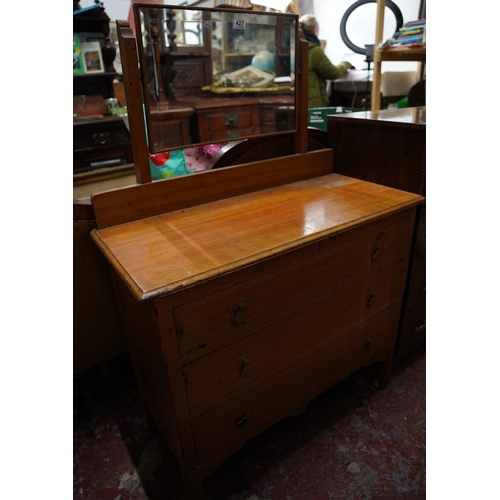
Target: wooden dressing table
247, 291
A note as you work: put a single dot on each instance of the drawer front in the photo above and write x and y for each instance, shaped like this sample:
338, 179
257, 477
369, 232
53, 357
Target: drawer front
231, 134
228, 371
251, 412
100, 137
224, 317
230, 120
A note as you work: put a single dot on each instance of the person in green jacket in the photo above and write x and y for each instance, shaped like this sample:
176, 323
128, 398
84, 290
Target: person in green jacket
320, 67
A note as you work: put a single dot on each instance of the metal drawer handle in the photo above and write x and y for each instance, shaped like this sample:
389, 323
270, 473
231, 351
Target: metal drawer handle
101, 138
368, 342
231, 121
243, 418
371, 299
243, 366
238, 309
377, 250
419, 326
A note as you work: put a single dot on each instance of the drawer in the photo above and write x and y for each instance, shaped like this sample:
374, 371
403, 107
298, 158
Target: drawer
100, 137
231, 134
226, 372
232, 119
226, 316
252, 411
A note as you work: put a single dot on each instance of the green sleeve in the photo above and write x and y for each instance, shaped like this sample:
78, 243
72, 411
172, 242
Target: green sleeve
323, 67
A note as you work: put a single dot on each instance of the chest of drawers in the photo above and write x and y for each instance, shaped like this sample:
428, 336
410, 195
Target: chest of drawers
389, 147
239, 311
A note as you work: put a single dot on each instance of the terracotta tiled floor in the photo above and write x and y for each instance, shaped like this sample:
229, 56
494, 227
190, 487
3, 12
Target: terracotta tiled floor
353, 442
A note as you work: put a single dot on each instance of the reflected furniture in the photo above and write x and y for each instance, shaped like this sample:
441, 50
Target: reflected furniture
389, 147
188, 58
100, 143
248, 290
103, 140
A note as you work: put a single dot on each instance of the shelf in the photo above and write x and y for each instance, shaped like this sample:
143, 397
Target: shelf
400, 54
417, 54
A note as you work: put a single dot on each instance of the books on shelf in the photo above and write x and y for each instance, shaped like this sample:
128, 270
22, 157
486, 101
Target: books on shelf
411, 34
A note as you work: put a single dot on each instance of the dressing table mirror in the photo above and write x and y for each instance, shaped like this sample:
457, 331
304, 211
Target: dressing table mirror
245, 291
212, 76
233, 72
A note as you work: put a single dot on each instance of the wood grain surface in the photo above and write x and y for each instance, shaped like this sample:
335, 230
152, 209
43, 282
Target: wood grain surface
158, 255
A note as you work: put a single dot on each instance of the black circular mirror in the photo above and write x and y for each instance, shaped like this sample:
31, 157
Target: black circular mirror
362, 14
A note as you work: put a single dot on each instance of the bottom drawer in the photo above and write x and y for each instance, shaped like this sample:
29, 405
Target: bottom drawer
252, 411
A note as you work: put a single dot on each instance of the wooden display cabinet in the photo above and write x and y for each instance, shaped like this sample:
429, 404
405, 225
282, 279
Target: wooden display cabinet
101, 140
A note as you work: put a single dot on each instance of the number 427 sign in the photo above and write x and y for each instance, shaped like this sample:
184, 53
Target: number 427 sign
239, 24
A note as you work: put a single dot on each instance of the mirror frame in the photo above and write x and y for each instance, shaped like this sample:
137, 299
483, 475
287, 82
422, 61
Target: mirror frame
148, 104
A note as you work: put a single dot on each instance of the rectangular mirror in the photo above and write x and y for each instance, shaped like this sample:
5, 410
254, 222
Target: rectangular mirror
215, 75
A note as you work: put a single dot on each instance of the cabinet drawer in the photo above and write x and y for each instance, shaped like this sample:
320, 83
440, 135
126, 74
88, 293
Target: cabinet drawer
226, 372
254, 410
231, 134
100, 137
230, 120
224, 317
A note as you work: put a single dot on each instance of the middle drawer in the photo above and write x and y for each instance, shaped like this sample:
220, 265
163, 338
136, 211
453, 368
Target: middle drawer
230, 120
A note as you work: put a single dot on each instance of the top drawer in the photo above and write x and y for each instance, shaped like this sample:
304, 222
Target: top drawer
226, 316
230, 120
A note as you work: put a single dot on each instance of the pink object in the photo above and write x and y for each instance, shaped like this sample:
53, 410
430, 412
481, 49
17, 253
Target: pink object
198, 157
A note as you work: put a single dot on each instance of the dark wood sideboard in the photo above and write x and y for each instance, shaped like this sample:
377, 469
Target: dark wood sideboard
388, 147
99, 139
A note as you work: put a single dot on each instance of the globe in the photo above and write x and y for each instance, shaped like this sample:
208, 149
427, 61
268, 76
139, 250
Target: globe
264, 60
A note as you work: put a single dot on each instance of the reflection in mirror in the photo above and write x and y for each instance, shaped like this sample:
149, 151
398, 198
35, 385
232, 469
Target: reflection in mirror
212, 76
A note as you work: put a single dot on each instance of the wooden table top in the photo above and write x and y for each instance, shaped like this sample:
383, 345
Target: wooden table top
204, 100
158, 255
411, 117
